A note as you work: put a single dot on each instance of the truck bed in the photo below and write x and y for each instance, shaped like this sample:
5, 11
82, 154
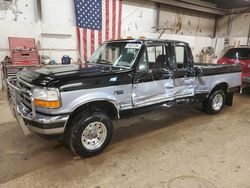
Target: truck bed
214, 69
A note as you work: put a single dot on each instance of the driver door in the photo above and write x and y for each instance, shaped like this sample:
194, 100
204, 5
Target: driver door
153, 81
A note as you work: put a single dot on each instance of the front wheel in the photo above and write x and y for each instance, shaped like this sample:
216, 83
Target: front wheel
215, 102
90, 133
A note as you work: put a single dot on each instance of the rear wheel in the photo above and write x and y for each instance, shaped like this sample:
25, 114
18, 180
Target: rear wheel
215, 102
90, 133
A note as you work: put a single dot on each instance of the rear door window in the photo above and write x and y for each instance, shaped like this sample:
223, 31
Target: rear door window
181, 57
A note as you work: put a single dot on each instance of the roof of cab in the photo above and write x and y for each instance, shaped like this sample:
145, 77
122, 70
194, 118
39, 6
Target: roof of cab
147, 40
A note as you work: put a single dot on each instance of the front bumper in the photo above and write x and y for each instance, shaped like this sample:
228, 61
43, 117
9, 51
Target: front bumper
30, 119
42, 124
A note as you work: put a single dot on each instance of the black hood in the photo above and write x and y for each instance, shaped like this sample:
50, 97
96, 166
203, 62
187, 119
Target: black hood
57, 75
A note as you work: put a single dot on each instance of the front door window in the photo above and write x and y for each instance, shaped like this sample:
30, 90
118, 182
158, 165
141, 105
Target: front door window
152, 79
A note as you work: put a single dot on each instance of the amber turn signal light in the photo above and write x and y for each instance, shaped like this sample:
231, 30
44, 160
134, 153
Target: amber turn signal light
47, 104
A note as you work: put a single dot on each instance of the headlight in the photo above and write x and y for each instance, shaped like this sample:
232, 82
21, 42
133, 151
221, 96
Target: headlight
46, 98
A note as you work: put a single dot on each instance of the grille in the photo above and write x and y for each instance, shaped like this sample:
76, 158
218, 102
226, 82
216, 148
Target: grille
24, 96
13, 94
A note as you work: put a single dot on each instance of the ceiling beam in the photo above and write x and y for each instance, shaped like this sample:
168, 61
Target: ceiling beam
240, 11
233, 4
201, 3
192, 6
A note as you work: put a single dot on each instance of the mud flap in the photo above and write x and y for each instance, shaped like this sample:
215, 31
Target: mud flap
229, 99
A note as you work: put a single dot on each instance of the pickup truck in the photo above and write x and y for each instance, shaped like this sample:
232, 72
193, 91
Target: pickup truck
77, 103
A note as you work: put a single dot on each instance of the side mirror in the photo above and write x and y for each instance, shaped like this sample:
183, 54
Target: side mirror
165, 71
162, 73
142, 67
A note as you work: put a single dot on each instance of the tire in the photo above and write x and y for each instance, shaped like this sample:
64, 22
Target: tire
90, 133
215, 102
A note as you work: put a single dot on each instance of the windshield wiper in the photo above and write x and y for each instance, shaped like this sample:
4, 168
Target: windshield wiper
102, 61
121, 66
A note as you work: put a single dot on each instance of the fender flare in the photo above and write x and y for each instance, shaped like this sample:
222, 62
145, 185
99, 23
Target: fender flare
94, 97
117, 107
216, 84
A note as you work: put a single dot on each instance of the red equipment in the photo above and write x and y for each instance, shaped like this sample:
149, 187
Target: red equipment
24, 55
23, 51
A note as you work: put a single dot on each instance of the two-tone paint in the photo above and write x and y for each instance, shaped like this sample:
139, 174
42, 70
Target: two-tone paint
126, 89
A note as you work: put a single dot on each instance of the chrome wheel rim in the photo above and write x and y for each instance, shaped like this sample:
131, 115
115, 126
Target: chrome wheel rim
94, 135
217, 102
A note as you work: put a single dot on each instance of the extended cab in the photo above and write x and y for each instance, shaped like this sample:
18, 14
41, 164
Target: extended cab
79, 102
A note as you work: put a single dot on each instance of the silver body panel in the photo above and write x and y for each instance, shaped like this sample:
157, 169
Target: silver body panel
207, 83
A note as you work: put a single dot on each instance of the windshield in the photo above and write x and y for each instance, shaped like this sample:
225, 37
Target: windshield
238, 53
117, 54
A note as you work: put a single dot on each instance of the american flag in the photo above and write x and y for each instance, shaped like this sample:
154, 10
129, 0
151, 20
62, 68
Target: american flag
97, 21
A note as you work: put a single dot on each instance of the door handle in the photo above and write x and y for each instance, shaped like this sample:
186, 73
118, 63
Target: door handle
119, 92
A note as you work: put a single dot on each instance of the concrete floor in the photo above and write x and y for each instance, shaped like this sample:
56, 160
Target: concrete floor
176, 148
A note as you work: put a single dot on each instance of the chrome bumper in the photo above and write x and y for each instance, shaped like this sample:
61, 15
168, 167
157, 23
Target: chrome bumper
29, 119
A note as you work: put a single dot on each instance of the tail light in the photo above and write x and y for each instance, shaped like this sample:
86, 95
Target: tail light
247, 67
221, 61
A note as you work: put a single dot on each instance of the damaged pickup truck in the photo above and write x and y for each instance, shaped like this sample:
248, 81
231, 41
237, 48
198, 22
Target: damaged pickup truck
79, 102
